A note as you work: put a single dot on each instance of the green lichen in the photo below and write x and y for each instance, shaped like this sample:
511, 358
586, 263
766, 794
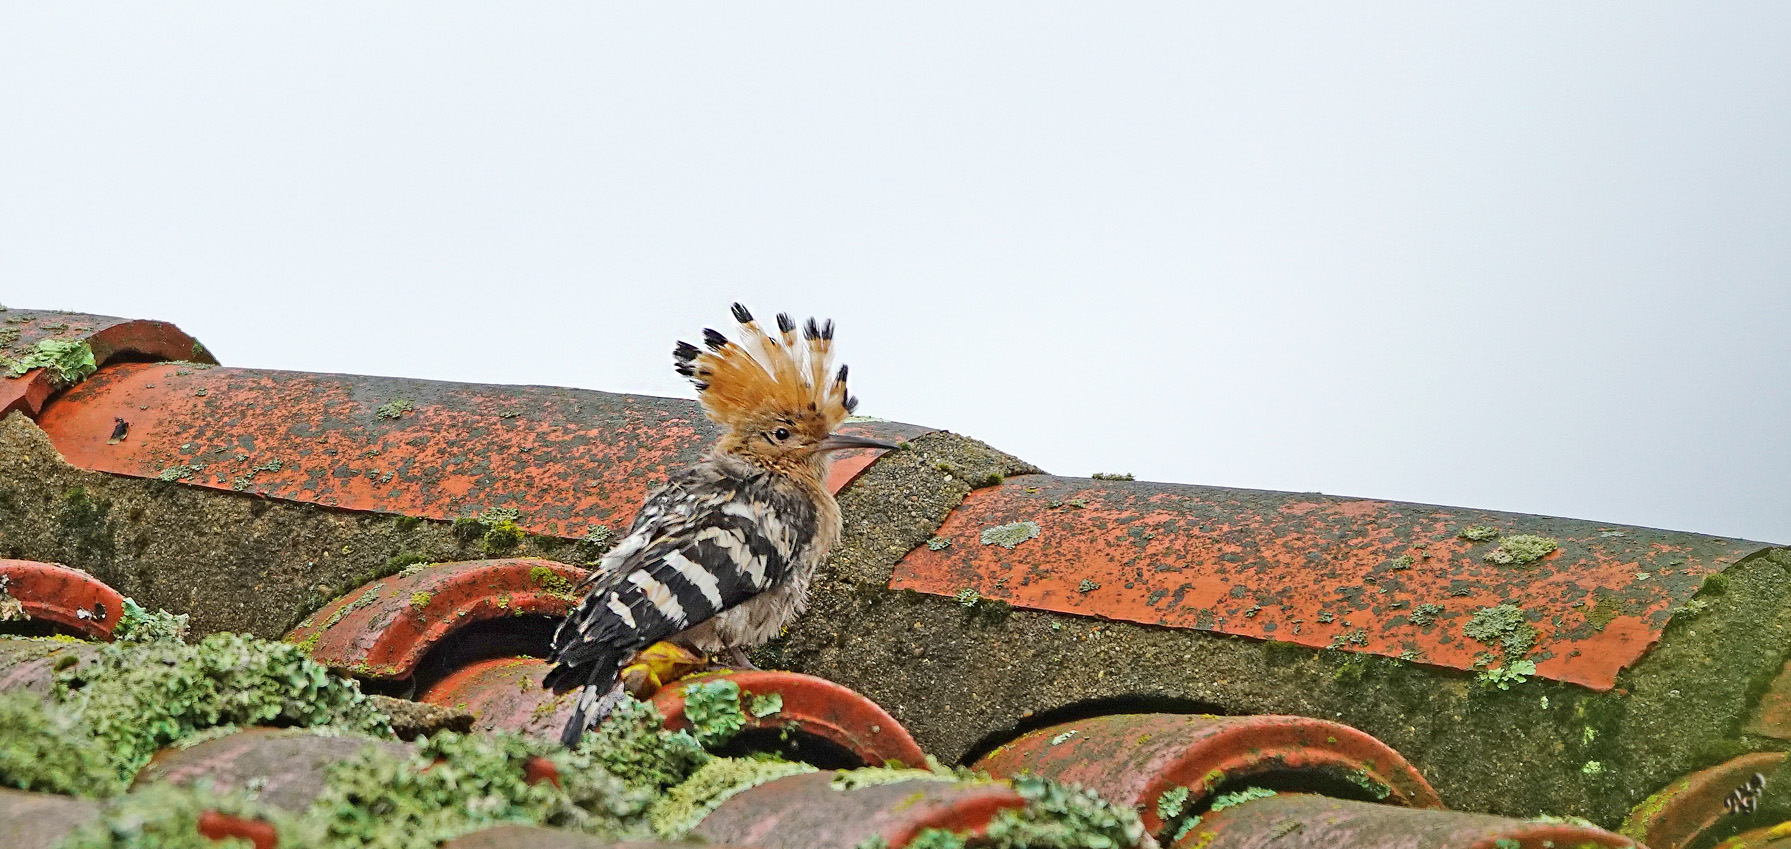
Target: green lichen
394, 409
1401, 563
1112, 476
139, 625
406, 563
872, 776
635, 747
1504, 626
1226, 800
968, 596
1603, 612
1515, 672
1011, 534
1088, 585
1424, 614
550, 580
937, 838
180, 471
52, 752
136, 698
1172, 803
501, 538
1478, 533
455, 784
938, 544
1374, 787
67, 360
1058, 816
420, 600
765, 705
594, 544
713, 709
1521, 549
685, 805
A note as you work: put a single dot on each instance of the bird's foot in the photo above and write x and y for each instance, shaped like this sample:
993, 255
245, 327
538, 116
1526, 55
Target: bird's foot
660, 664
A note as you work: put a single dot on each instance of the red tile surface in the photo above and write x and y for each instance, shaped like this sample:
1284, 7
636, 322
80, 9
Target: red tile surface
108, 336
810, 705
1319, 571
1133, 759
565, 459
1676, 816
805, 812
77, 602
1297, 820
383, 629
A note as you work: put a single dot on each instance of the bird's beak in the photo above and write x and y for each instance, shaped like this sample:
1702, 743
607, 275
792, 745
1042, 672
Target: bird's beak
842, 442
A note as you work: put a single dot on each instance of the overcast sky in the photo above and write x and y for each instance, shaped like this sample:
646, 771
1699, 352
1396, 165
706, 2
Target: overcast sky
1531, 257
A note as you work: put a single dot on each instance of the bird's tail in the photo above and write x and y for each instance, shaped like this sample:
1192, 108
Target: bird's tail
594, 706
602, 690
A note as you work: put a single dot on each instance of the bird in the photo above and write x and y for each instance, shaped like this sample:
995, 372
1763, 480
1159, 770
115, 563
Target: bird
719, 559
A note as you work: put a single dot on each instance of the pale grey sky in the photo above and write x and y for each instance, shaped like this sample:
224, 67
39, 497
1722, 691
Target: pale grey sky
1520, 256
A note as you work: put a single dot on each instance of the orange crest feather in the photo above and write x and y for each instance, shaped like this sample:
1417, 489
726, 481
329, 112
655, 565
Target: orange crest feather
762, 376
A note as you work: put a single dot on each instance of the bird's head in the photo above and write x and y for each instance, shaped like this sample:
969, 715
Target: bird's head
778, 396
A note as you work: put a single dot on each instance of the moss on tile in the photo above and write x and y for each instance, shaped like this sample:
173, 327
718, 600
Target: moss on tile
136, 698
53, 751
680, 809
67, 361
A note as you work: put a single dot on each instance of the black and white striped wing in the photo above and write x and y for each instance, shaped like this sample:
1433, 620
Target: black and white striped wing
726, 541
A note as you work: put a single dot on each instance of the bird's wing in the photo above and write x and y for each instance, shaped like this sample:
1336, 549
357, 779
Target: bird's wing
712, 540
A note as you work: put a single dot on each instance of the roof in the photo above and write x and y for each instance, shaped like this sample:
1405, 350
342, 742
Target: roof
949, 544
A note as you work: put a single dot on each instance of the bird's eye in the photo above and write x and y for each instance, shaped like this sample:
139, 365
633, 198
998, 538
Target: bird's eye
781, 433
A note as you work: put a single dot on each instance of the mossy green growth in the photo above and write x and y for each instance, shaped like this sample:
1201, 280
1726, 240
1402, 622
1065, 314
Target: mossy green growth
1424, 614
137, 624
395, 408
1059, 816
164, 816
1112, 476
455, 784
1011, 534
52, 752
402, 561
1478, 533
634, 746
765, 705
550, 580
136, 698
1172, 803
1521, 549
1504, 626
872, 776
501, 538
680, 809
713, 708
1513, 672
67, 360
1226, 800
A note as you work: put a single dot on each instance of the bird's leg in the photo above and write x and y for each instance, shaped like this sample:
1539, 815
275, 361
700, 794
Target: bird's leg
660, 664
739, 658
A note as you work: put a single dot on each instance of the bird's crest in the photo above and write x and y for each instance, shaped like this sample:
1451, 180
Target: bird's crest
763, 376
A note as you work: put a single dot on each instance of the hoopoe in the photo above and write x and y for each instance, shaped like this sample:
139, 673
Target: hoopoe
720, 558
